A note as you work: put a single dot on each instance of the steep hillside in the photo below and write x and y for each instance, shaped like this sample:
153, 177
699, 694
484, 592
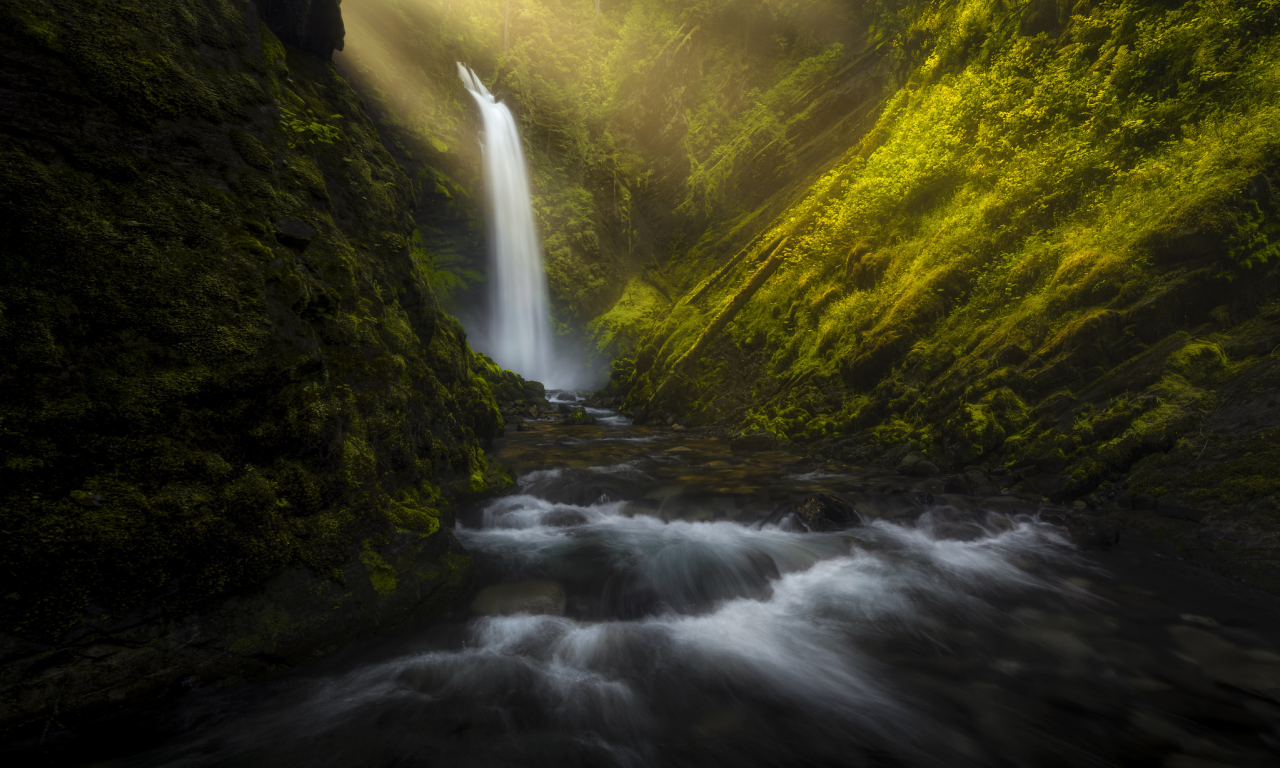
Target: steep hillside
1053, 256
232, 413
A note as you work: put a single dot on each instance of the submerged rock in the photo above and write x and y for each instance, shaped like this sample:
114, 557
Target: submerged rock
817, 513
542, 597
914, 464
756, 441
564, 518
582, 487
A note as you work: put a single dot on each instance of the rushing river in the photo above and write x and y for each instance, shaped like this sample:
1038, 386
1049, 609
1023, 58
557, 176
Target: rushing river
640, 602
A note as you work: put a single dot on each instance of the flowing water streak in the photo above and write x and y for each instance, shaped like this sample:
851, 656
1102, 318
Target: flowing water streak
519, 314
749, 671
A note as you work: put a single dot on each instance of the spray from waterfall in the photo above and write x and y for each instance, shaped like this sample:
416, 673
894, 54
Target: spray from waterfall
519, 314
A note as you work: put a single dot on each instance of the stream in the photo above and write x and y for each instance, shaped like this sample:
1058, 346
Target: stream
649, 598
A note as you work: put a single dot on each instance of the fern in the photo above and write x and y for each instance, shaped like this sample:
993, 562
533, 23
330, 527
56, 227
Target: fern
306, 130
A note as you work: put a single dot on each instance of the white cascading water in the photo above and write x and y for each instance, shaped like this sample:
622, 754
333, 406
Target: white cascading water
519, 315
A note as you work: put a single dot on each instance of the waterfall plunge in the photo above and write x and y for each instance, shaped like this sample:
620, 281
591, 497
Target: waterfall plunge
519, 315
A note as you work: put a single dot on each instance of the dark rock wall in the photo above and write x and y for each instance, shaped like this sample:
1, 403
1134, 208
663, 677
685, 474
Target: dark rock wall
315, 26
220, 367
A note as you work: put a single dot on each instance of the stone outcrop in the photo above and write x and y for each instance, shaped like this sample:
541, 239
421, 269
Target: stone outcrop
315, 26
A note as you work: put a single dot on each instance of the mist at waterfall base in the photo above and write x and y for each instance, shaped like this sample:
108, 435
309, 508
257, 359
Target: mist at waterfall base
518, 332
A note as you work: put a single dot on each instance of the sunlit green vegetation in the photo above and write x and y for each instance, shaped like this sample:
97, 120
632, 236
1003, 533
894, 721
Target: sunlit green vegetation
1010, 230
627, 115
1043, 201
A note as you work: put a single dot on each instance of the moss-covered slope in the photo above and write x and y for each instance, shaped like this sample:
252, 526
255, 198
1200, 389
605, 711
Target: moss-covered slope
218, 361
1053, 255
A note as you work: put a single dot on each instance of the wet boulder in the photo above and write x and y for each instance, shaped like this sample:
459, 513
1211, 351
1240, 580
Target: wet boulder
817, 513
1085, 530
972, 482
578, 419
581, 487
534, 390
1090, 532
914, 464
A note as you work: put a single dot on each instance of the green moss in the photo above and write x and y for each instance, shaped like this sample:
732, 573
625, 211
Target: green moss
190, 405
1232, 476
578, 419
1200, 362
980, 429
381, 575
251, 150
417, 510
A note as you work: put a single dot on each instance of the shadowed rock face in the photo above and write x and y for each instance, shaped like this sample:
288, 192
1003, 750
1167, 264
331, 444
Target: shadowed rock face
315, 26
230, 407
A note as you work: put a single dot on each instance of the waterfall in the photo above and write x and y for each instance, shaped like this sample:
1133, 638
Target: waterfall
519, 313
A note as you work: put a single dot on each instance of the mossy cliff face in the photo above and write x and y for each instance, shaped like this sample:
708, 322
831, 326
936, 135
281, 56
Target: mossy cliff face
1052, 254
220, 367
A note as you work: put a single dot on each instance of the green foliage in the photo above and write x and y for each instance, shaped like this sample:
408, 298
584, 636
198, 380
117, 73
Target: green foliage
448, 273
755, 147
1008, 262
640, 306
303, 130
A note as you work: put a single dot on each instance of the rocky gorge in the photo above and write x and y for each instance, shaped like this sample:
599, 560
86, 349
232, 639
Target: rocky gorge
874, 304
